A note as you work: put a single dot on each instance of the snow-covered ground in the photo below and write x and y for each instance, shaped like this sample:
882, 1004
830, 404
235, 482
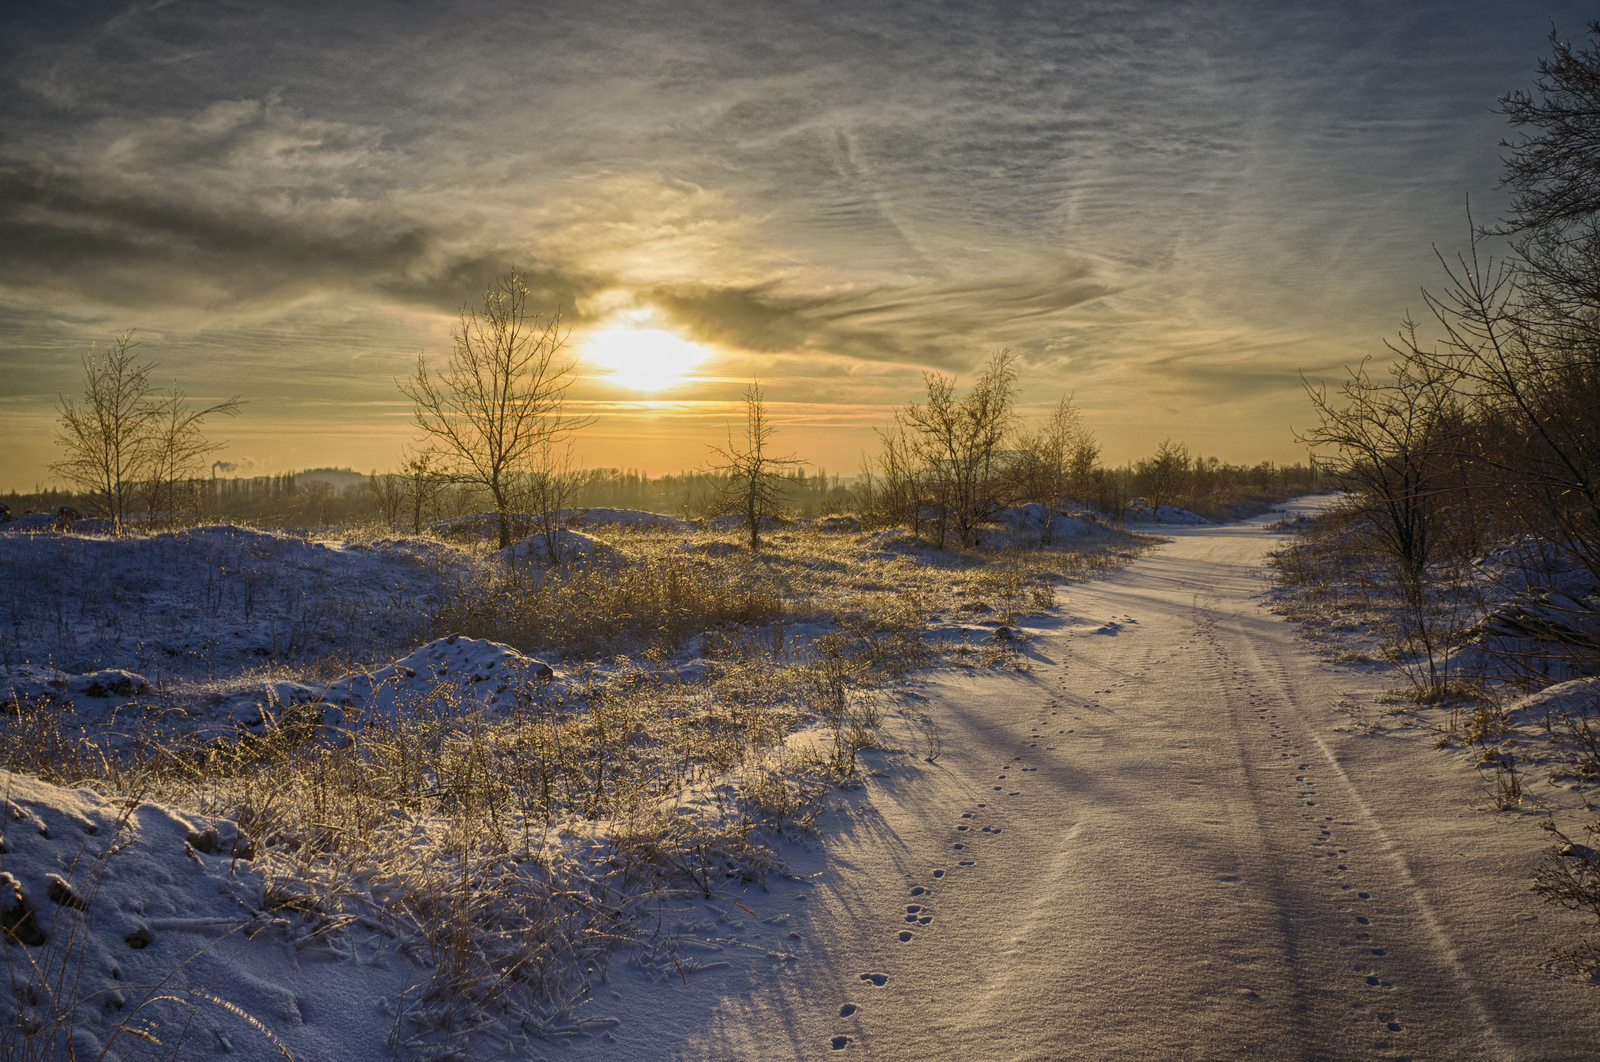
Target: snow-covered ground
1176, 834
211, 601
1173, 837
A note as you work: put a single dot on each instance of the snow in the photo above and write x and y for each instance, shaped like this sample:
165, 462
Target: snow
453, 674
632, 518
1162, 514
1169, 831
212, 600
145, 913
1177, 835
569, 546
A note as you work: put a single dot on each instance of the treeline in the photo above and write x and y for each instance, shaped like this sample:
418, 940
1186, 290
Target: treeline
952, 462
1172, 476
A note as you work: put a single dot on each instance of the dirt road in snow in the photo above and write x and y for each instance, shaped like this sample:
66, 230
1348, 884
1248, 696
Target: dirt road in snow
1167, 840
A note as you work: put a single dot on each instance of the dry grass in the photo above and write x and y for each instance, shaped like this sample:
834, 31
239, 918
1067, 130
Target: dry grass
507, 855
665, 590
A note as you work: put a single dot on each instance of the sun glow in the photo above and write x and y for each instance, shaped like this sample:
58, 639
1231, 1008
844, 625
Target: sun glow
642, 357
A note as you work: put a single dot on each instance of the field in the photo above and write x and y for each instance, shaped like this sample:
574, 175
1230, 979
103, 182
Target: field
466, 779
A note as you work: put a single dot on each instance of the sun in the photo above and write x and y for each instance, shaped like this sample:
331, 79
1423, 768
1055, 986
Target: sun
643, 357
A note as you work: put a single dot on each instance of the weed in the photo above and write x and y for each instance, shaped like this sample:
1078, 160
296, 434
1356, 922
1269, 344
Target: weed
1570, 877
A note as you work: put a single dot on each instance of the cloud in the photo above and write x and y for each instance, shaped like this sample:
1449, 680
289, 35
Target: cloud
242, 206
949, 324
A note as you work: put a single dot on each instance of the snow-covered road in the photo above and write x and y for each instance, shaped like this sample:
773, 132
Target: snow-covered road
1167, 840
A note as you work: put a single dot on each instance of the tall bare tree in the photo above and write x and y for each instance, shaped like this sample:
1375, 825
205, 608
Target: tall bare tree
496, 406
752, 478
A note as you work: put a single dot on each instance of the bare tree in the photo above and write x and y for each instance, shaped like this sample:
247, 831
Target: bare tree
1055, 456
958, 441
894, 481
752, 479
1395, 445
548, 491
388, 490
1166, 475
177, 448
122, 437
497, 404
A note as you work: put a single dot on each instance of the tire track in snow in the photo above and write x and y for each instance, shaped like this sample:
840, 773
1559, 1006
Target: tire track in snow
1249, 653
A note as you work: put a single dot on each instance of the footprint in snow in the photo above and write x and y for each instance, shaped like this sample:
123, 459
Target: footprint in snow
841, 1042
905, 936
847, 1010
877, 979
967, 863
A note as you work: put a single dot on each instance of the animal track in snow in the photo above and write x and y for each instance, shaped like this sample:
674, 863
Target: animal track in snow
938, 873
968, 863
847, 1010
905, 936
841, 1042
878, 979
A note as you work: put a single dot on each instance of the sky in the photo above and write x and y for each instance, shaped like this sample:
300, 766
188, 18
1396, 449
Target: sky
1169, 211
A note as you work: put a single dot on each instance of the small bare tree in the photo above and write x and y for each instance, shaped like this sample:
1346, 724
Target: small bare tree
894, 481
497, 404
958, 441
548, 491
1164, 477
123, 438
1051, 459
177, 448
752, 480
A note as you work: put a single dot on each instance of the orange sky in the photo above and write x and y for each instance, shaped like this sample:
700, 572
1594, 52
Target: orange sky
1168, 212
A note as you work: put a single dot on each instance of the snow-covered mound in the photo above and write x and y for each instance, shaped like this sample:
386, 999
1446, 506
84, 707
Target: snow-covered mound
570, 547
1025, 522
139, 919
93, 695
1163, 514
1541, 619
487, 525
1577, 698
474, 526
622, 518
211, 601
447, 675
738, 523
42, 522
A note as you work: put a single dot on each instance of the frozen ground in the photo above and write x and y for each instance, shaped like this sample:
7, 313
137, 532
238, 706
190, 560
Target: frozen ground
1170, 838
